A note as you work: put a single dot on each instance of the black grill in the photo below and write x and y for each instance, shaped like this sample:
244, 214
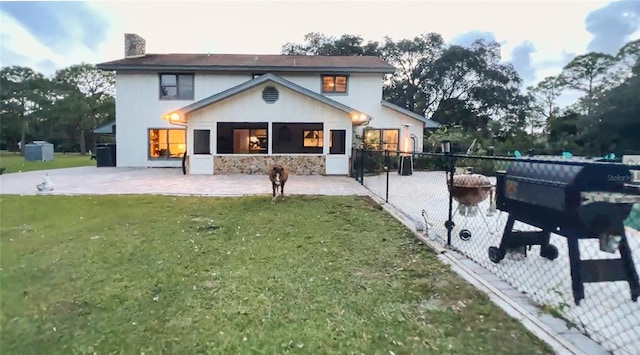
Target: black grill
574, 198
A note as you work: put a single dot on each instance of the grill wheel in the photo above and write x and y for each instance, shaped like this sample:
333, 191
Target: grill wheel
549, 252
495, 255
465, 234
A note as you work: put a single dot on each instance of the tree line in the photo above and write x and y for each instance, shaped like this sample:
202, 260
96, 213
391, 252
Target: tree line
469, 90
61, 109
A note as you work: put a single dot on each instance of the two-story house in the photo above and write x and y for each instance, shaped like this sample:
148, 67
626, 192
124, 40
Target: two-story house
232, 113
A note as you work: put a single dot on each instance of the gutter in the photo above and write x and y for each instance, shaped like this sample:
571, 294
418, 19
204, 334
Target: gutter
239, 68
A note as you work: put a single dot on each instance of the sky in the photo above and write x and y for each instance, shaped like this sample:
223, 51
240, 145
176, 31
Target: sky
537, 36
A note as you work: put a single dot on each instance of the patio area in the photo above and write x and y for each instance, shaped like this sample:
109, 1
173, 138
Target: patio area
168, 181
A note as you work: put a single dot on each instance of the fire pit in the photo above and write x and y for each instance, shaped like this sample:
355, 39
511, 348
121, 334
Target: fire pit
469, 190
579, 200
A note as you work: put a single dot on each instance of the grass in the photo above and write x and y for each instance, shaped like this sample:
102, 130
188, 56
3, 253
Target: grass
184, 275
14, 162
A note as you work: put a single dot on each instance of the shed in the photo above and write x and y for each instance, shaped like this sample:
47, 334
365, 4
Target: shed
106, 129
38, 151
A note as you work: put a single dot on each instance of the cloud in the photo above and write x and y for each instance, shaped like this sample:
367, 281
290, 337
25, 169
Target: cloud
467, 39
57, 24
564, 59
612, 25
521, 60
8, 55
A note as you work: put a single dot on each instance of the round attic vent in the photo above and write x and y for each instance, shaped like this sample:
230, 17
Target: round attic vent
270, 94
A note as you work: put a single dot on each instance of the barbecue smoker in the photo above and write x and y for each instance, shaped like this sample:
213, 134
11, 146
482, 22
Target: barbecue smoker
584, 200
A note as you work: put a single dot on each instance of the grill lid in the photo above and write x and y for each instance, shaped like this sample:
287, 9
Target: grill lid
471, 180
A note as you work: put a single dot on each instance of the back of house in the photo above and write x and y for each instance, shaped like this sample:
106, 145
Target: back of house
237, 113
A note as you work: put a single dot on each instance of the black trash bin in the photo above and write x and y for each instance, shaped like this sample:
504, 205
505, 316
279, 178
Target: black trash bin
105, 154
112, 147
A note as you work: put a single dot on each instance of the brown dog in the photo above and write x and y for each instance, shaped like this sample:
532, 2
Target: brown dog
278, 174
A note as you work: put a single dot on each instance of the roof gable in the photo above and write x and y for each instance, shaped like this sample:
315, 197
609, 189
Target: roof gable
251, 62
269, 77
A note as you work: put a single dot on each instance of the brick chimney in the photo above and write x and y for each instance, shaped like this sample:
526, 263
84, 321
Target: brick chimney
134, 45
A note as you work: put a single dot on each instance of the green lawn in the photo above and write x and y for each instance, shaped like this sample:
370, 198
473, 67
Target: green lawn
14, 162
186, 275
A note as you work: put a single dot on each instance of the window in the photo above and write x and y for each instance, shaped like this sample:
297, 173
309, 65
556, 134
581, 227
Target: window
338, 142
312, 138
176, 86
201, 141
242, 138
297, 138
334, 83
383, 139
167, 143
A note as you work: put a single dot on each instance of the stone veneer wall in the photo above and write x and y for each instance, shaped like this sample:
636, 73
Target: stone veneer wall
259, 164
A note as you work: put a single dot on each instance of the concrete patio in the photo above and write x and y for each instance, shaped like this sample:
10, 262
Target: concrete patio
107, 180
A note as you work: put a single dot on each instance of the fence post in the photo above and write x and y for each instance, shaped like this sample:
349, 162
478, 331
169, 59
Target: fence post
449, 223
386, 164
361, 167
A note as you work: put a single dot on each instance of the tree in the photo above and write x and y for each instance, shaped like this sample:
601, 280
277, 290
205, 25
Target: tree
615, 123
22, 95
544, 97
628, 57
320, 44
589, 73
84, 99
409, 86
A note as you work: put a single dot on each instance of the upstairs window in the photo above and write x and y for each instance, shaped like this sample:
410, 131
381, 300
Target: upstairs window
334, 84
176, 86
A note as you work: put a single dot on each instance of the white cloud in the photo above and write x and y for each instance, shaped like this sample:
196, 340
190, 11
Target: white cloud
18, 40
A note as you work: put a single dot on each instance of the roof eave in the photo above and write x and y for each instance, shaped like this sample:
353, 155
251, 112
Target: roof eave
428, 123
215, 68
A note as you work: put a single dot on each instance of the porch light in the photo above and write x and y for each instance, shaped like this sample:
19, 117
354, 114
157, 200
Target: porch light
173, 117
358, 118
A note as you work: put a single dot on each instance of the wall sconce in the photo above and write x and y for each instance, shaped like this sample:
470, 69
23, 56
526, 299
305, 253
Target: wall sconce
174, 118
446, 146
358, 118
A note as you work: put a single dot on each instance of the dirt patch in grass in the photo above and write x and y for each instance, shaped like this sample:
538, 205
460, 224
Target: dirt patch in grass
186, 275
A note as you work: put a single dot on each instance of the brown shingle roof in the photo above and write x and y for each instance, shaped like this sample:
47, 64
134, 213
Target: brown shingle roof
243, 62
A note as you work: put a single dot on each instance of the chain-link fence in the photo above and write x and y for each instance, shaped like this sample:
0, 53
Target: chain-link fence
566, 231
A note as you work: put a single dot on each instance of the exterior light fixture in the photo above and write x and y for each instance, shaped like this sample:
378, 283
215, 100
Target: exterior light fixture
359, 118
174, 118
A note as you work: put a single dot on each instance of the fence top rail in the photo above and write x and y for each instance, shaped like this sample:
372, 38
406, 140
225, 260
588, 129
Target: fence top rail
553, 159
